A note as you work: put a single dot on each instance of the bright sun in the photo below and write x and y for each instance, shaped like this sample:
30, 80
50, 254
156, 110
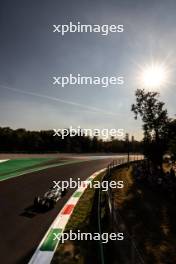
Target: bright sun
154, 76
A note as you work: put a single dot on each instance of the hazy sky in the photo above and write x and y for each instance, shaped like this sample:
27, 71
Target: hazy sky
30, 54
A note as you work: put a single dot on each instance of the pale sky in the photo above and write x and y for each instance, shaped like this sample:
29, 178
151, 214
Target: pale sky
30, 54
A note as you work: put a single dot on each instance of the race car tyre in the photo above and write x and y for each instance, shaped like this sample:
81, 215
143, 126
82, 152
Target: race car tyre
52, 204
36, 201
64, 191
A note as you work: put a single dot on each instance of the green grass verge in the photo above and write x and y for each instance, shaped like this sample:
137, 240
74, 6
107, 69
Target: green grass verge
19, 164
15, 165
18, 167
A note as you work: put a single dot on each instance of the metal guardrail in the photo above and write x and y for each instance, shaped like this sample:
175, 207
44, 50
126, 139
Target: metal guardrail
114, 164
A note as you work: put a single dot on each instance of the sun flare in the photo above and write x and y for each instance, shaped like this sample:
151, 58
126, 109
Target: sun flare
153, 76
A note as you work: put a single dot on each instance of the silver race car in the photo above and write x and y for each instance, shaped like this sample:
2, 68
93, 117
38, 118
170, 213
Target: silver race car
49, 199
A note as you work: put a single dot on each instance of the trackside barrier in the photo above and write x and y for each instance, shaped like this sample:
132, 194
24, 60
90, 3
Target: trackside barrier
114, 164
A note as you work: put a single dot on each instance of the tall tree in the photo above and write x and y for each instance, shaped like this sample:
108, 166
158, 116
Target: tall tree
155, 124
172, 137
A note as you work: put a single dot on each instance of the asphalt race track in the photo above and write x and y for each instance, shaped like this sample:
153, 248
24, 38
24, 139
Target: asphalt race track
21, 228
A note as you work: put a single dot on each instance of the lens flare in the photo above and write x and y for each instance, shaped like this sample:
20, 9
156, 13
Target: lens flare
154, 76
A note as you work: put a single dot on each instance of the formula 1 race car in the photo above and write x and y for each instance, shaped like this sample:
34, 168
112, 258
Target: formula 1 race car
49, 199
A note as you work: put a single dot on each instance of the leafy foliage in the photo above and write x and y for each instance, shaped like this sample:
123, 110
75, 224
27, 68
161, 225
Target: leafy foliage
21, 140
155, 124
